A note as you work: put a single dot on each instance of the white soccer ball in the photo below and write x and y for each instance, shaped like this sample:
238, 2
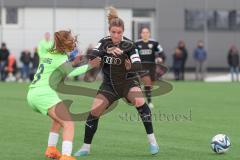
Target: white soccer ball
220, 143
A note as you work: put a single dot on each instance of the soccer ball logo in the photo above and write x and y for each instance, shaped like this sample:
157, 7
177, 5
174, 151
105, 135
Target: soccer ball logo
220, 143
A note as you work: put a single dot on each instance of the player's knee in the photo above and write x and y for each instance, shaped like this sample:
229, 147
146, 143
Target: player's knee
56, 125
139, 102
68, 124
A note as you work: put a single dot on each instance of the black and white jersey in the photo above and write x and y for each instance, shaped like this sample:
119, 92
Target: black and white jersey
149, 50
113, 67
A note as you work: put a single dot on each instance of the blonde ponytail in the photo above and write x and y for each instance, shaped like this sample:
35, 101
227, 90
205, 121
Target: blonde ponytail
113, 19
112, 14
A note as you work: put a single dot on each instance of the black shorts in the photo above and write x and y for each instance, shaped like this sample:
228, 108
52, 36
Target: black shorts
115, 92
149, 70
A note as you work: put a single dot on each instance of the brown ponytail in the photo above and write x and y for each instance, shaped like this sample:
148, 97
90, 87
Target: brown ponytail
113, 19
63, 41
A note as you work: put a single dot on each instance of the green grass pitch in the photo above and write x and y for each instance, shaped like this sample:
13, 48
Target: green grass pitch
185, 121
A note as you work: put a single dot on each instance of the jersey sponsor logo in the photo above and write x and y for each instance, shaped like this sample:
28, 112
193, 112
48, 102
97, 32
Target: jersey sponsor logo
112, 60
145, 52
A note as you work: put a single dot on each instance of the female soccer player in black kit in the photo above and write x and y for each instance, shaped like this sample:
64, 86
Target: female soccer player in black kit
150, 53
118, 55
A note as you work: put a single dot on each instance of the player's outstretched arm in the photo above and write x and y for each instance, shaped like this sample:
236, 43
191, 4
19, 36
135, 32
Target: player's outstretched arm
84, 68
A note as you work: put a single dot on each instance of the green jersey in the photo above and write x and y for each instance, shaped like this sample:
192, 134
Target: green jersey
44, 46
47, 65
53, 68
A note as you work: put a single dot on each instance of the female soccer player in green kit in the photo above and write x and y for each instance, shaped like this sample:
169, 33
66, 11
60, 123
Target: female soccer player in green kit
44, 99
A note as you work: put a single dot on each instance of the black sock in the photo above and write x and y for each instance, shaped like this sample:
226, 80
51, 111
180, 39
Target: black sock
90, 128
148, 93
146, 116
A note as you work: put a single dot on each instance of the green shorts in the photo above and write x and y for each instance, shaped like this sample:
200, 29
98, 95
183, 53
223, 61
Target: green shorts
42, 99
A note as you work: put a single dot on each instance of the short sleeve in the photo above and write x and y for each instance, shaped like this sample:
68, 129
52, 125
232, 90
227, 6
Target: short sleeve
97, 50
158, 48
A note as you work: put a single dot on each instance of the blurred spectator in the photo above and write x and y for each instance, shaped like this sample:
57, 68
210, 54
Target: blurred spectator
35, 59
177, 63
91, 75
35, 62
45, 44
160, 70
200, 56
4, 54
182, 47
26, 60
233, 62
11, 68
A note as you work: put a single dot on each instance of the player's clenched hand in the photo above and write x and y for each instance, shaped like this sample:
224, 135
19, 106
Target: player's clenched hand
158, 60
128, 64
114, 51
117, 51
95, 62
77, 60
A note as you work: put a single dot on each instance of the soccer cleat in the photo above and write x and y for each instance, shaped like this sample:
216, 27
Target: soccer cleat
65, 157
52, 152
154, 149
81, 153
150, 105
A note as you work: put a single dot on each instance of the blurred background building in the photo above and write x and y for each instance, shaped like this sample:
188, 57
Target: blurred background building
216, 22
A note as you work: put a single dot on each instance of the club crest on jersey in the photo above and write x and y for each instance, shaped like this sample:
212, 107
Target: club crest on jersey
150, 46
139, 46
